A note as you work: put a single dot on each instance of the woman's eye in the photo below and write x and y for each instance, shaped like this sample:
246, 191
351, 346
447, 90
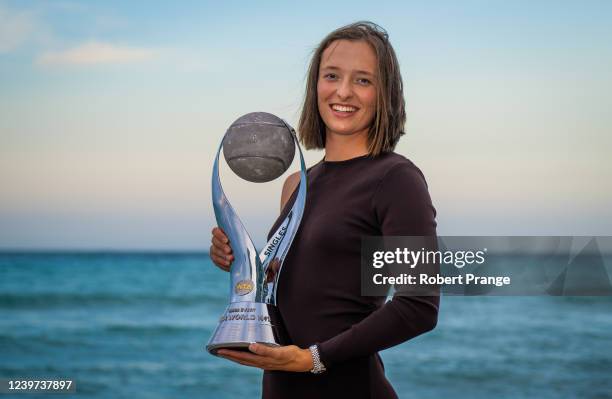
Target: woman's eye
363, 81
330, 76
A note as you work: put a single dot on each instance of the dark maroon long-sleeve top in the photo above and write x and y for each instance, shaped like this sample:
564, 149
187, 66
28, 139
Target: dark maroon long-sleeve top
319, 288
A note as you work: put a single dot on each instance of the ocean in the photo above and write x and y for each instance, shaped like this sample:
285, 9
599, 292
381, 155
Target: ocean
130, 325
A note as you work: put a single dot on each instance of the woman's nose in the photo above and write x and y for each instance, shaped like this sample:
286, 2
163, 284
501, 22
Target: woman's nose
344, 89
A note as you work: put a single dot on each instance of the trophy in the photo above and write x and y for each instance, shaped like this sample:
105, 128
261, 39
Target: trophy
258, 147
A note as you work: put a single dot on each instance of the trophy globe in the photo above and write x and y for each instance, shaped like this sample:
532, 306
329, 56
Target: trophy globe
258, 147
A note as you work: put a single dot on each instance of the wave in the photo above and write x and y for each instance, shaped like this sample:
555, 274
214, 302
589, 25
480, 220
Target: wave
89, 336
51, 300
158, 329
31, 343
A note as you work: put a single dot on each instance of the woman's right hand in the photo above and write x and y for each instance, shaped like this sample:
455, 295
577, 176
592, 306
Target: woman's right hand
220, 250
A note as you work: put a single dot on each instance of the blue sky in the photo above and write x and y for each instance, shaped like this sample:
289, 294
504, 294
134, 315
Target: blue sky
110, 113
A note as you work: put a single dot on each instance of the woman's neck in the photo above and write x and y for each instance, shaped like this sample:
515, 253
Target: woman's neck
342, 147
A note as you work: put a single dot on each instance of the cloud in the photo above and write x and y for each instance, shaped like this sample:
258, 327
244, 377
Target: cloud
15, 28
94, 53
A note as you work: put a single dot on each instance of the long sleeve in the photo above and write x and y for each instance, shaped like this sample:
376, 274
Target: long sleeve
403, 207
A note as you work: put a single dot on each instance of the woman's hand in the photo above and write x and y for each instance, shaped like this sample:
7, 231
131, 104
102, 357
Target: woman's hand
285, 358
220, 250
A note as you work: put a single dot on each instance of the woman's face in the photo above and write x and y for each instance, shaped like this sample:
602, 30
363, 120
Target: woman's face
346, 90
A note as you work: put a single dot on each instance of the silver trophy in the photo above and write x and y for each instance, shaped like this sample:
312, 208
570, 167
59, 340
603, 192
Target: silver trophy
258, 147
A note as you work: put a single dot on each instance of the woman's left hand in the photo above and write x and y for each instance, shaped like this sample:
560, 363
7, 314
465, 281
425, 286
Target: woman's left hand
286, 358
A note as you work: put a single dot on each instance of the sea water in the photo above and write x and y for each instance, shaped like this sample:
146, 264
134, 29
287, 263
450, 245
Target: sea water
129, 325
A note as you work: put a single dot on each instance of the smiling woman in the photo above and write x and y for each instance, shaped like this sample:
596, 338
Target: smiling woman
354, 109
360, 63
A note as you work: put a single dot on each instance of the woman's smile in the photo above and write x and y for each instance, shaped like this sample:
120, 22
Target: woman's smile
343, 111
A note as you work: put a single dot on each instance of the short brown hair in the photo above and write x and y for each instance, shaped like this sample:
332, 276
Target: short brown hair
390, 115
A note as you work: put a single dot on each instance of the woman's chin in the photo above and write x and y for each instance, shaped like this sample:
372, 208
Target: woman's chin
346, 132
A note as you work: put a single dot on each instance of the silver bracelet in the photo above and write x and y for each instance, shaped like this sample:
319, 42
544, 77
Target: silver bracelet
318, 367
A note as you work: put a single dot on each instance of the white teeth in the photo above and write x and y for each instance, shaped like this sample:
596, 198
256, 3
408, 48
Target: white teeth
343, 108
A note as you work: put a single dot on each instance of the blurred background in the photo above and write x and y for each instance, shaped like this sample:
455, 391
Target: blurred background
110, 116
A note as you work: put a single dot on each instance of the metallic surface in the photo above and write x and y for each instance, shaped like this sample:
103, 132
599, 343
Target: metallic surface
245, 322
253, 276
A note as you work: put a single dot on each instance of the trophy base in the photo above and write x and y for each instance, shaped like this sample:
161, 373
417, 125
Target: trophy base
244, 323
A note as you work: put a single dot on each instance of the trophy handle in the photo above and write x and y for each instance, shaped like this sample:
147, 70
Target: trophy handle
254, 277
275, 250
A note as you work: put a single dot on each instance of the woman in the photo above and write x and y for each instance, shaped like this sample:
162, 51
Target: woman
354, 109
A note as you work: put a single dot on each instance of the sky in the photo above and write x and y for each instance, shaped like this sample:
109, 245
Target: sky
111, 112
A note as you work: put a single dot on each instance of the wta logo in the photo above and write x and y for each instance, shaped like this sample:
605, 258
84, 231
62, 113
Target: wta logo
244, 287
275, 241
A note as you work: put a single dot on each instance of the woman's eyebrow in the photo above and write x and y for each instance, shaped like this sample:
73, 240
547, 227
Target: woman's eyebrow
335, 68
330, 67
365, 72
